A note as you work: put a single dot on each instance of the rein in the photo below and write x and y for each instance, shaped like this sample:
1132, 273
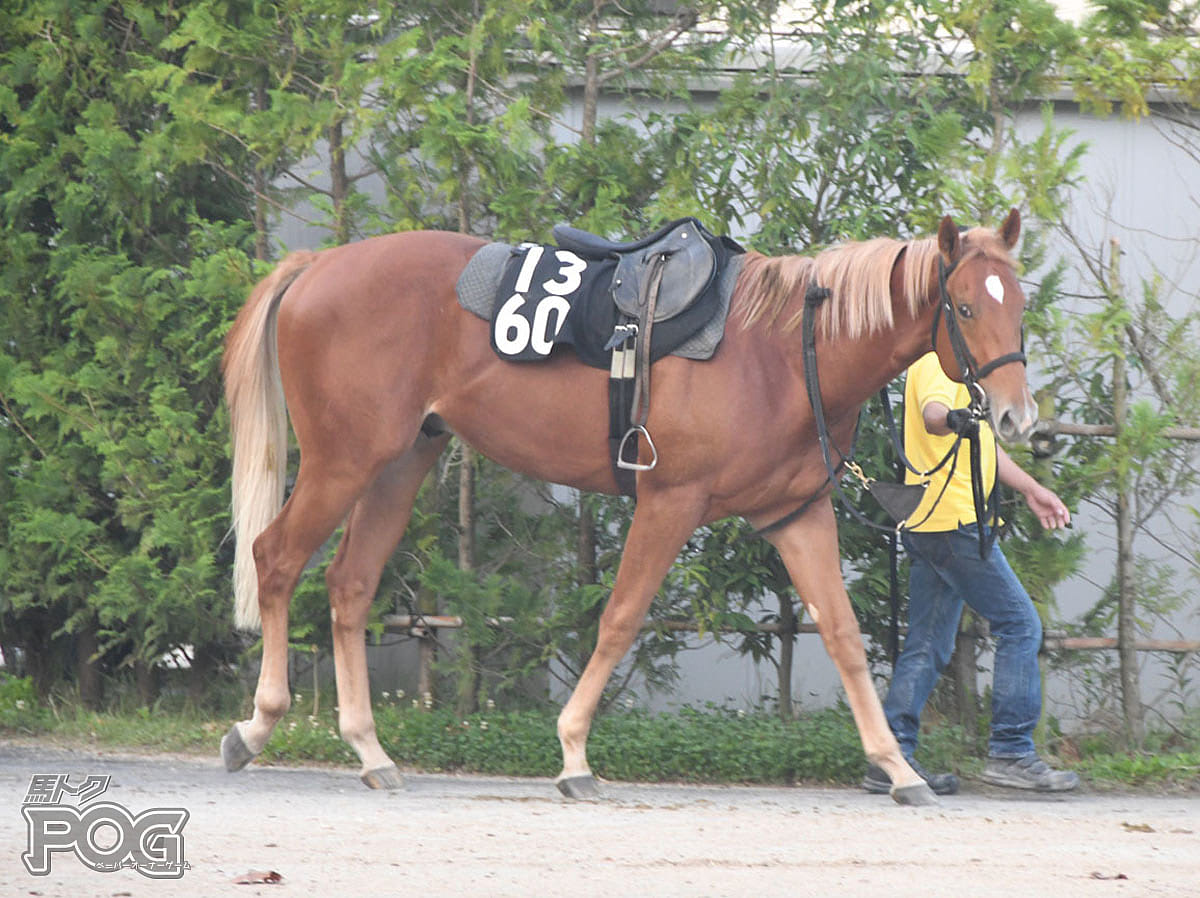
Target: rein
972, 373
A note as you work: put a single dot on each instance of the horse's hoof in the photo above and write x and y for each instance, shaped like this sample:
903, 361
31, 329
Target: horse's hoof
234, 751
383, 778
581, 788
917, 795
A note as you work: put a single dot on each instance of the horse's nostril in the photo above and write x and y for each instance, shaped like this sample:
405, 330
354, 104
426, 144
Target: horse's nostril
1007, 425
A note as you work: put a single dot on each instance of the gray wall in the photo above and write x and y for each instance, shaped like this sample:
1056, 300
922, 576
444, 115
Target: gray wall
1139, 187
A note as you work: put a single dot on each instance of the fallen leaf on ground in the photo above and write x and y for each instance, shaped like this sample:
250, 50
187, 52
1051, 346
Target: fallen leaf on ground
256, 877
1138, 827
1109, 876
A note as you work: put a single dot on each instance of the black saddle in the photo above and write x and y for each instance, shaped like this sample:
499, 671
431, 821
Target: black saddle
683, 251
588, 244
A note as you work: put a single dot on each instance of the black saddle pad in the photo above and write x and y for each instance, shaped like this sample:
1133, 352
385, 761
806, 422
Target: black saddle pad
549, 296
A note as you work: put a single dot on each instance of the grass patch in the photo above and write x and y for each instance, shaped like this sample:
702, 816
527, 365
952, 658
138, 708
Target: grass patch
1173, 771
710, 745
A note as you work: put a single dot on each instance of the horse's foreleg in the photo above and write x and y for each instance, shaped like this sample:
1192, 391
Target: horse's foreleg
315, 508
659, 529
809, 549
375, 526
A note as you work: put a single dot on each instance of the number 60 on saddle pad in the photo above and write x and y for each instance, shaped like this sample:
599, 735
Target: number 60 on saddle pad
586, 292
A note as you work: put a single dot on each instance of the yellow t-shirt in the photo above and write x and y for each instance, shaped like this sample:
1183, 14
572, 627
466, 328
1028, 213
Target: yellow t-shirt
928, 383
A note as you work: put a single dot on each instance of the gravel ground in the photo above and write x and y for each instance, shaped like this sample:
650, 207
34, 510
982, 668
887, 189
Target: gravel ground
325, 834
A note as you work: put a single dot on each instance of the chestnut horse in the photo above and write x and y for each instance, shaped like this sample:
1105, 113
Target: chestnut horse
368, 348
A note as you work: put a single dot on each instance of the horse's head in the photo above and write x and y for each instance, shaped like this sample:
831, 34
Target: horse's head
977, 331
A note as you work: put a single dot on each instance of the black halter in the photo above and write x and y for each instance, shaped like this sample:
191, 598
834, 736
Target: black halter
972, 372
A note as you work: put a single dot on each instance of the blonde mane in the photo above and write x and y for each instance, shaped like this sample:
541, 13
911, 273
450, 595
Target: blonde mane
771, 291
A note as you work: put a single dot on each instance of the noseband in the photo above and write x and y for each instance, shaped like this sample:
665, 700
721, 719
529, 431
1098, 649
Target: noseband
972, 371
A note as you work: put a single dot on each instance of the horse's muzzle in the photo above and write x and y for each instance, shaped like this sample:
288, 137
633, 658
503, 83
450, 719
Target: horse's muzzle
1014, 423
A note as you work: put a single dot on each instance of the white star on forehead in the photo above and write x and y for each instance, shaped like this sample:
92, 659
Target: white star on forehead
994, 288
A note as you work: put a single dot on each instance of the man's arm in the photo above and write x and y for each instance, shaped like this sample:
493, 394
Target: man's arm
1042, 501
934, 415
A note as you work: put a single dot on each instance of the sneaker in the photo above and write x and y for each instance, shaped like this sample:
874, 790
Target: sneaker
878, 782
1029, 772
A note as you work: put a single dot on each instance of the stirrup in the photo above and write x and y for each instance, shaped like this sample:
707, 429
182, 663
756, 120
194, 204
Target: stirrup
633, 465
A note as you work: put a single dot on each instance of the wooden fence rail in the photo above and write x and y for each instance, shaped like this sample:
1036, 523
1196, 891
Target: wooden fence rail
418, 625
1070, 428
425, 627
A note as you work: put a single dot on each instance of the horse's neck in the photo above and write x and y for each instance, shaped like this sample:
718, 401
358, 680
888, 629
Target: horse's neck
873, 361
911, 334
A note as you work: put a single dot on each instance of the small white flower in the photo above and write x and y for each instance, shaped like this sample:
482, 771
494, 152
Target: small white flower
399, 694
491, 705
483, 725
20, 704
741, 713
386, 695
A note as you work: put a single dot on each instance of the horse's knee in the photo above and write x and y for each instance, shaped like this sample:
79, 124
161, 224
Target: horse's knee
619, 627
572, 725
843, 642
349, 599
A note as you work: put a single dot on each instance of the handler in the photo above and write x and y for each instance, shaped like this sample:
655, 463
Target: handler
946, 571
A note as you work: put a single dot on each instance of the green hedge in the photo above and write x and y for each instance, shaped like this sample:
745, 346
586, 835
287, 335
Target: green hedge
714, 745
711, 745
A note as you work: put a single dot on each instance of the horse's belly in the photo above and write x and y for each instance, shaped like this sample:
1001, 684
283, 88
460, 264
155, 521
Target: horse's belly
548, 420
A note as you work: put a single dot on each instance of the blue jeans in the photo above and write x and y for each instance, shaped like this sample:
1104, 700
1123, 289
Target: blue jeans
945, 571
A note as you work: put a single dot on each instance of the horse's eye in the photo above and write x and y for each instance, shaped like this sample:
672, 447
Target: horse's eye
964, 310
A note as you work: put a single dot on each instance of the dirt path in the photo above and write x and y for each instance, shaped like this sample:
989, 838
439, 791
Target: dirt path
482, 836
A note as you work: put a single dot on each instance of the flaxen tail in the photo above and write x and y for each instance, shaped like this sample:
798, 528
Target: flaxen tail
259, 428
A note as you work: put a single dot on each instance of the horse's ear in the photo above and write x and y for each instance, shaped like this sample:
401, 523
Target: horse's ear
948, 240
1011, 229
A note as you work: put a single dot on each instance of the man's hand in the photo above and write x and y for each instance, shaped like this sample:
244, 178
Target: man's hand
962, 422
1048, 508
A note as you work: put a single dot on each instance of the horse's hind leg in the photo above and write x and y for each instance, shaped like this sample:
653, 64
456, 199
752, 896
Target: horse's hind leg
320, 500
809, 549
660, 526
375, 526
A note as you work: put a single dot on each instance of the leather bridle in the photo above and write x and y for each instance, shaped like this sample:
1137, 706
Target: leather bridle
972, 371
972, 374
